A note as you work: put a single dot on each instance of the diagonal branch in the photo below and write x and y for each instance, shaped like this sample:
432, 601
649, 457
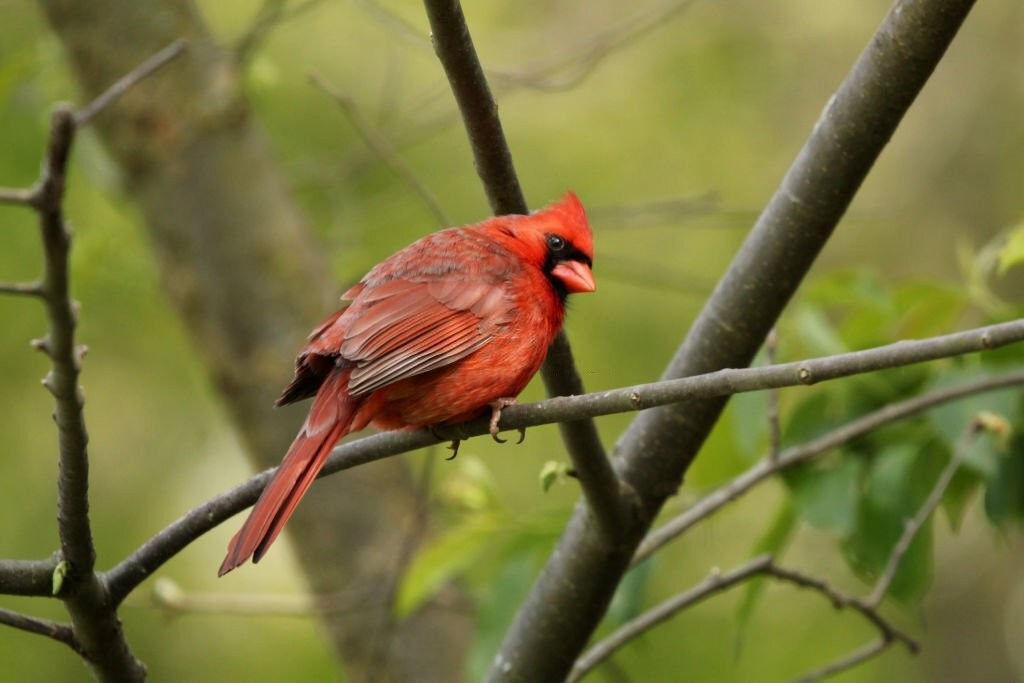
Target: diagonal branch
553, 625
718, 582
383, 149
126, 82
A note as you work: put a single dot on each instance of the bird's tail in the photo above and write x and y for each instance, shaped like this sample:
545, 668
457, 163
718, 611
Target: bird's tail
329, 419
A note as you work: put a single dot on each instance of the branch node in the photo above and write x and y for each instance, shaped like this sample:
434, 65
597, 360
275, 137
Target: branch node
42, 344
804, 374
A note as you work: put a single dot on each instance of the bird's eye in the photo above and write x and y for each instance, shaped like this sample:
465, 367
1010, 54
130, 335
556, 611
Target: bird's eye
555, 243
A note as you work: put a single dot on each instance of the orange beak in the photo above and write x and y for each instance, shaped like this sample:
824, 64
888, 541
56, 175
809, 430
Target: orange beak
576, 276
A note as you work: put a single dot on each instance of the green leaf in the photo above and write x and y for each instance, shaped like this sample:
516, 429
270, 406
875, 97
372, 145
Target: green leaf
951, 419
961, 491
817, 333
893, 492
826, 496
1004, 496
495, 609
60, 572
1011, 254
749, 423
552, 471
446, 558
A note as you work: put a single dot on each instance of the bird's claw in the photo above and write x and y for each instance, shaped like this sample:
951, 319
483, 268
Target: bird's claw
454, 446
496, 407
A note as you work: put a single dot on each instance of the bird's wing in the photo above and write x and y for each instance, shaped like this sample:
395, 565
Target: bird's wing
404, 327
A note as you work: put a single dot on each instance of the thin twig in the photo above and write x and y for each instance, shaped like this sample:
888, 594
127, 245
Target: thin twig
716, 583
272, 13
855, 658
170, 597
765, 468
841, 600
913, 525
96, 632
128, 81
566, 72
379, 145
18, 196
869, 605
62, 633
22, 288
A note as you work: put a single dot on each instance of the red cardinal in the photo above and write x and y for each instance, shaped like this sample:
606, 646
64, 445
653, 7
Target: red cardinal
456, 322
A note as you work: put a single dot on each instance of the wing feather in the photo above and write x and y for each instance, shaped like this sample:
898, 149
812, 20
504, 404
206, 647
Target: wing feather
428, 306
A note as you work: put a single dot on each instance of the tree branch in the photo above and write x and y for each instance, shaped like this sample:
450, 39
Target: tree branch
28, 577
135, 568
554, 624
97, 633
869, 605
855, 658
22, 288
716, 583
125, 83
62, 633
854, 429
493, 161
18, 196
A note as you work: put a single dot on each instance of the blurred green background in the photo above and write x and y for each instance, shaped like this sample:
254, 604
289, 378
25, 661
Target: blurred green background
674, 140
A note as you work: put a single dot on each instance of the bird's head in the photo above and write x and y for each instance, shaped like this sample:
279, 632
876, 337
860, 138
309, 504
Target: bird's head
558, 240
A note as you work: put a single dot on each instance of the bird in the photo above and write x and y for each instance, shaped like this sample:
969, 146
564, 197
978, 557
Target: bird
444, 329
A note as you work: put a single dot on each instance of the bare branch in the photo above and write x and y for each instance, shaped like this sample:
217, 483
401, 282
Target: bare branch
172, 598
653, 455
379, 145
566, 72
634, 628
96, 631
138, 566
493, 161
718, 582
767, 467
22, 196
34, 289
62, 633
841, 600
855, 658
122, 85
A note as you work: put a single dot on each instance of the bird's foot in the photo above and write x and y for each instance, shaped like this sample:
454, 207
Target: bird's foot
496, 407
